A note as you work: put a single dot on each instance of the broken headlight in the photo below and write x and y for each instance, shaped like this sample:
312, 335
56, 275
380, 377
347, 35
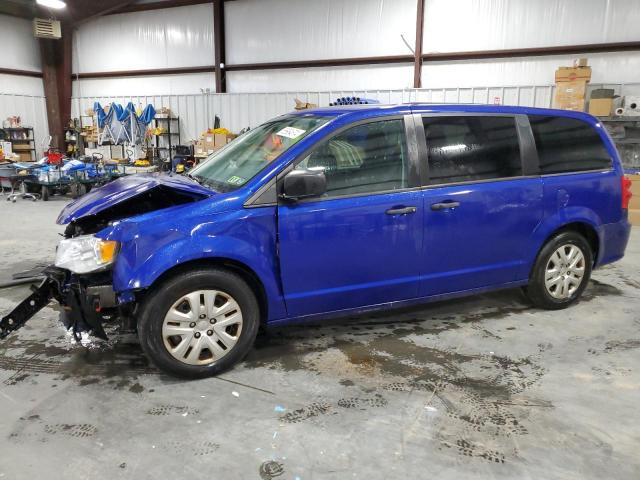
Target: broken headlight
85, 254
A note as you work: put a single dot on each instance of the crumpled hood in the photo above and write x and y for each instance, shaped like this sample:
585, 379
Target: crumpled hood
124, 191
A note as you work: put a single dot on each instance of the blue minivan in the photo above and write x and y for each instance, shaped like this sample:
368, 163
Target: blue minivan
336, 211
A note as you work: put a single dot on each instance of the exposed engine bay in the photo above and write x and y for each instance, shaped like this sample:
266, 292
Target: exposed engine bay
157, 198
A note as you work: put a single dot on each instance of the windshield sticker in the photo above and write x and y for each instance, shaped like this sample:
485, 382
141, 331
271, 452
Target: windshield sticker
290, 132
235, 180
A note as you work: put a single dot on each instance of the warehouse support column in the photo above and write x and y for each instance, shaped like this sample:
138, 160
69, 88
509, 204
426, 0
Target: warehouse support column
220, 55
56, 76
417, 64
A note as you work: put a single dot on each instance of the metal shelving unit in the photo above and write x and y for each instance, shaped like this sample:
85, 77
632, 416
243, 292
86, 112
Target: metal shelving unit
164, 142
625, 132
20, 136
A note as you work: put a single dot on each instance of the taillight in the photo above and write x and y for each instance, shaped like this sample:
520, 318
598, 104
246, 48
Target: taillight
626, 192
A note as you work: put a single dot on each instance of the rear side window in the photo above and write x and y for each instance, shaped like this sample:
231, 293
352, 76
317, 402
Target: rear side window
471, 148
568, 145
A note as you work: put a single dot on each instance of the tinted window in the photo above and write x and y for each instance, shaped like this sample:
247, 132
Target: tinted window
363, 159
471, 148
568, 145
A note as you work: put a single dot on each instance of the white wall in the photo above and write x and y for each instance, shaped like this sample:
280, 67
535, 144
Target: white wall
155, 39
285, 30
145, 85
332, 29
320, 79
20, 95
622, 67
288, 30
505, 24
465, 25
20, 51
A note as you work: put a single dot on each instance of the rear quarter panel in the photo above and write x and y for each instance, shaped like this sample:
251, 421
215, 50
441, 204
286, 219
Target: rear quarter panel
592, 198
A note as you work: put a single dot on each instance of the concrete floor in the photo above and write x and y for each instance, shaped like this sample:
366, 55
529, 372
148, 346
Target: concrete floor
485, 387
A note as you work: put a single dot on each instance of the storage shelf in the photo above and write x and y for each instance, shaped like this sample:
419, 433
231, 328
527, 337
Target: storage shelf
619, 119
172, 133
626, 141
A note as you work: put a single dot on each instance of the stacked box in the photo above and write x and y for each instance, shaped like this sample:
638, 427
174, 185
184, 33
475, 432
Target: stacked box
571, 86
211, 142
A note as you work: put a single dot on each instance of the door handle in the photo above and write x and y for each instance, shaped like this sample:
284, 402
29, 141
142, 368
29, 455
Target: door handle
444, 205
401, 211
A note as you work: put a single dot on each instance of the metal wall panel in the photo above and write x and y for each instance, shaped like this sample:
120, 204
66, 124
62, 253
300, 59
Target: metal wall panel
503, 24
606, 67
239, 110
20, 85
33, 112
145, 85
285, 30
20, 49
316, 79
165, 38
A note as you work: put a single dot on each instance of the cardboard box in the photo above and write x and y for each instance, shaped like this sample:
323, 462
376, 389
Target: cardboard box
571, 86
570, 95
634, 217
220, 140
300, 105
21, 147
207, 141
572, 74
601, 107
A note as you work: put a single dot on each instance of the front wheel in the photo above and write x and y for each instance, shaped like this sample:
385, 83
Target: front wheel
199, 323
561, 272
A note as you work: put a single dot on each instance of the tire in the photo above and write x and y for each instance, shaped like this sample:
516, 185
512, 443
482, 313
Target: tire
169, 302
565, 285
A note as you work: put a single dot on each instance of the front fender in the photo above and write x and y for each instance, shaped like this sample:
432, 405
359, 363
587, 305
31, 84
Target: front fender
247, 236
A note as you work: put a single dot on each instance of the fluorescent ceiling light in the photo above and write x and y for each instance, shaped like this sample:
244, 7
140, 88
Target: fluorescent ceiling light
57, 4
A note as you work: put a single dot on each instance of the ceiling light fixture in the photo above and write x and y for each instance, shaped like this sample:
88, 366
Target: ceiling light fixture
56, 4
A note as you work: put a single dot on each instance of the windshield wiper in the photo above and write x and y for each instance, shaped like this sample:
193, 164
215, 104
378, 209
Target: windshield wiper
207, 182
196, 178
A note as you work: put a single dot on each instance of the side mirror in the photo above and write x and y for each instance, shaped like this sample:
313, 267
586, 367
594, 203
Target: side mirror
304, 184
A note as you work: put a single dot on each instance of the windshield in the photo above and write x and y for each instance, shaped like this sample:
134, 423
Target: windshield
234, 165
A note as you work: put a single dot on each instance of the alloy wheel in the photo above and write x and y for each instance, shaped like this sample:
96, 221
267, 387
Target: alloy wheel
564, 271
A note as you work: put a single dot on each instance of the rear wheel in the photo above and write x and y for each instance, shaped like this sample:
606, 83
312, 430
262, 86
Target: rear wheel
561, 272
199, 323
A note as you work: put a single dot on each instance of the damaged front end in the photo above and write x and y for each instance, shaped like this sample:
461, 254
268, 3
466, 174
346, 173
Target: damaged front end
87, 301
81, 280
